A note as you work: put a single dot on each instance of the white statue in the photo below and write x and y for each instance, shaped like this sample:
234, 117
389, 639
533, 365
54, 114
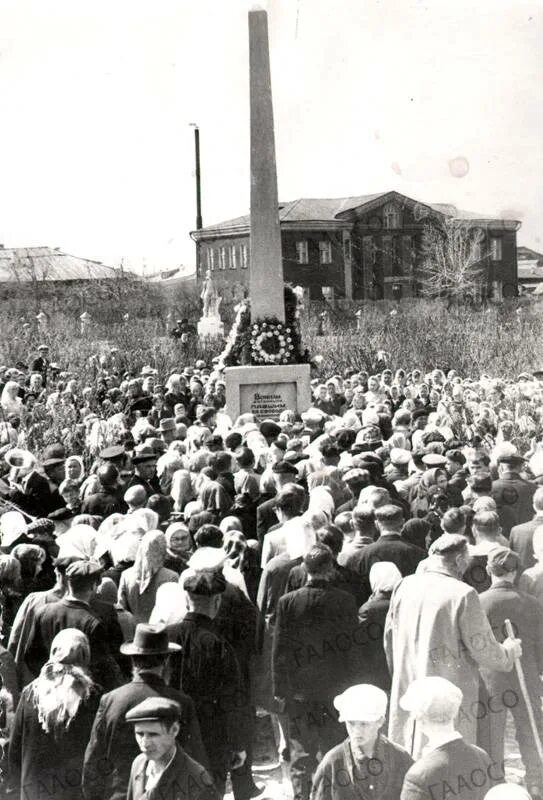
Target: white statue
211, 299
42, 320
86, 320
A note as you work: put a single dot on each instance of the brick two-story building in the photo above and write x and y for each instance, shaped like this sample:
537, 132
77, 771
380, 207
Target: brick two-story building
368, 247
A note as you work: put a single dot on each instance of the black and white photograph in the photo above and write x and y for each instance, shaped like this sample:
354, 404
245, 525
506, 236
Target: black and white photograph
271, 400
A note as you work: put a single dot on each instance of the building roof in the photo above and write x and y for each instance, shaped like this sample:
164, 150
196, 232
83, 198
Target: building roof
530, 271
332, 211
527, 254
23, 264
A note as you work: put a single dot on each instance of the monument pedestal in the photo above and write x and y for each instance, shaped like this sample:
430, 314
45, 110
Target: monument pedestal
267, 391
211, 327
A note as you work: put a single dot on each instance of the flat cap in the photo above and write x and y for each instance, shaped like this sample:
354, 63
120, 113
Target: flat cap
284, 468
116, 451
510, 458
205, 583
354, 475
434, 460
399, 457
84, 569
362, 702
501, 560
155, 709
433, 697
269, 429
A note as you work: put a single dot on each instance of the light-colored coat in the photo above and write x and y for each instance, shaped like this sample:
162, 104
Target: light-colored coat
436, 626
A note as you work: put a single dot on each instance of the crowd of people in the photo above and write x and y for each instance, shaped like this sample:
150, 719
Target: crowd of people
365, 578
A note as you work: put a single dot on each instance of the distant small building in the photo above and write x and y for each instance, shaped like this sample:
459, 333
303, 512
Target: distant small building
50, 264
367, 247
530, 270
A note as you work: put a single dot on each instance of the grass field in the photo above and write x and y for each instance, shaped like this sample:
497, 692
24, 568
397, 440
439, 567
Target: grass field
500, 340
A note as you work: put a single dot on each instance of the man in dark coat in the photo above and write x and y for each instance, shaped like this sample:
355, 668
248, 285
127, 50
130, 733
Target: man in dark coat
503, 601
266, 518
74, 611
105, 501
366, 764
41, 362
390, 546
112, 747
343, 578
513, 495
315, 656
144, 461
32, 494
522, 535
209, 672
23, 625
164, 769
450, 767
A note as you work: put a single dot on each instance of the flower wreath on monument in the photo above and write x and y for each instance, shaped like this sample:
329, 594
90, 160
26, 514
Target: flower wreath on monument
265, 341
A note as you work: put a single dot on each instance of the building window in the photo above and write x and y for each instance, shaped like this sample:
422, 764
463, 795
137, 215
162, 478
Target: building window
302, 254
396, 256
391, 216
233, 257
325, 252
328, 293
211, 258
244, 256
495, 248
223, 256
347, 248
369, 251
476, 251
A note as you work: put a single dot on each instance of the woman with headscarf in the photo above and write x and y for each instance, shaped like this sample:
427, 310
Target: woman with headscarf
235, 546
74, 471
384, 577
10, 401
179, 547
53, 723
419, 495
138, 585
78, 541
181, 490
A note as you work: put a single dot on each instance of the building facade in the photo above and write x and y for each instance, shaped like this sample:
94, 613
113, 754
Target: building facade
358, 248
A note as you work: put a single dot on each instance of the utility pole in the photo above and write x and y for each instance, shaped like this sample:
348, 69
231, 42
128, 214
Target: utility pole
198, 176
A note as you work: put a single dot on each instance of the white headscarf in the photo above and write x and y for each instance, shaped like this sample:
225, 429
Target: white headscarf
384, 577
78, 541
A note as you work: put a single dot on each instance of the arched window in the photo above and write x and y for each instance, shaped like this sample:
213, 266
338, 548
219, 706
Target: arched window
391, 216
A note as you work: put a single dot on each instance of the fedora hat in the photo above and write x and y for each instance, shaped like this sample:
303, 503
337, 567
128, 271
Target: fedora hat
144, 453
149, 640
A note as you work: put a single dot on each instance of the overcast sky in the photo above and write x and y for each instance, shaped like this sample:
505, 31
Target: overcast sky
369, 95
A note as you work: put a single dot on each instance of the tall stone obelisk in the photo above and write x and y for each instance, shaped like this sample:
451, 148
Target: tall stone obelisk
266, 267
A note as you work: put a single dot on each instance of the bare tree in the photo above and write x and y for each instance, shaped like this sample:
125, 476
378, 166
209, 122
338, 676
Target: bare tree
452, 261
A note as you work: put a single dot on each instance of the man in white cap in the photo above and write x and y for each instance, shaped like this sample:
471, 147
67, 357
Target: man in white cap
366, 764
449, 766
436, 626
